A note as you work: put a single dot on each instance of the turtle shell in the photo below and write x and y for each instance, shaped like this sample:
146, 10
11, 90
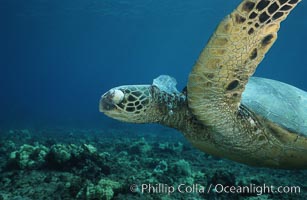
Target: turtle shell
278, 102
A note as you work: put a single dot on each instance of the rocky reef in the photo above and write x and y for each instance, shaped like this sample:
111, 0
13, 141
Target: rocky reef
128, 164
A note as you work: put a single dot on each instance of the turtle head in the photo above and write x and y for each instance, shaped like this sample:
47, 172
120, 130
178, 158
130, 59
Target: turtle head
145, 103
128, 103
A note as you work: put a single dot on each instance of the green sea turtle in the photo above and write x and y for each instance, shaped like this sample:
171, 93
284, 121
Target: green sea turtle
224, 111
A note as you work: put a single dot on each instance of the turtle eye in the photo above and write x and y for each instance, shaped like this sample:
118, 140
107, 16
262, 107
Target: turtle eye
110, 99
116, 96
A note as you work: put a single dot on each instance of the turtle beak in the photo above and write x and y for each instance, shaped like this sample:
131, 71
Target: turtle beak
106, 102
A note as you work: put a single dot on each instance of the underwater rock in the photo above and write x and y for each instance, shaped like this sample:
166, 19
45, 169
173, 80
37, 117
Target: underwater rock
257, 180
104, 190
263, 197
90, 149
25, 131
181, 168
62, 154
223, 177
74, 186
83, 160
59, 154
7, 146
38, 184
140, 147
161, 167
28, 157
172, 148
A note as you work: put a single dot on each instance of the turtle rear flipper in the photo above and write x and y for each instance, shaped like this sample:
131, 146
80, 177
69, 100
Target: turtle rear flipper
231, 56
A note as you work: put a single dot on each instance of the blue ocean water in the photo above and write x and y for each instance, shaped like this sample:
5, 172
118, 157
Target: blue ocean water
58, 57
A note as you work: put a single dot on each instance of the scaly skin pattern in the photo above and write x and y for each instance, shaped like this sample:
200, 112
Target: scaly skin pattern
231, 56
218, 79
262, 144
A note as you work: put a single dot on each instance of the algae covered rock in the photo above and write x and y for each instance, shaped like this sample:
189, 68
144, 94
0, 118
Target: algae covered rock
171, 147
28, 157
7, 146
59, 154
103, 190
140, 147
161, 167
223, 177
83, 160
181, 168
89, 149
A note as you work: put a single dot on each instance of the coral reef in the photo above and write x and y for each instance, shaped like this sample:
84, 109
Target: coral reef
125, 164
103, 190
161, 168
28, 157
182, 168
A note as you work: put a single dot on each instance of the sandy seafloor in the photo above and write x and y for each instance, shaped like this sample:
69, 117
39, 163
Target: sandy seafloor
114, 163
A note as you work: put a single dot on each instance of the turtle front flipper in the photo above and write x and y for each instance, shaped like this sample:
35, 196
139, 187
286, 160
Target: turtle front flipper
231, 56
